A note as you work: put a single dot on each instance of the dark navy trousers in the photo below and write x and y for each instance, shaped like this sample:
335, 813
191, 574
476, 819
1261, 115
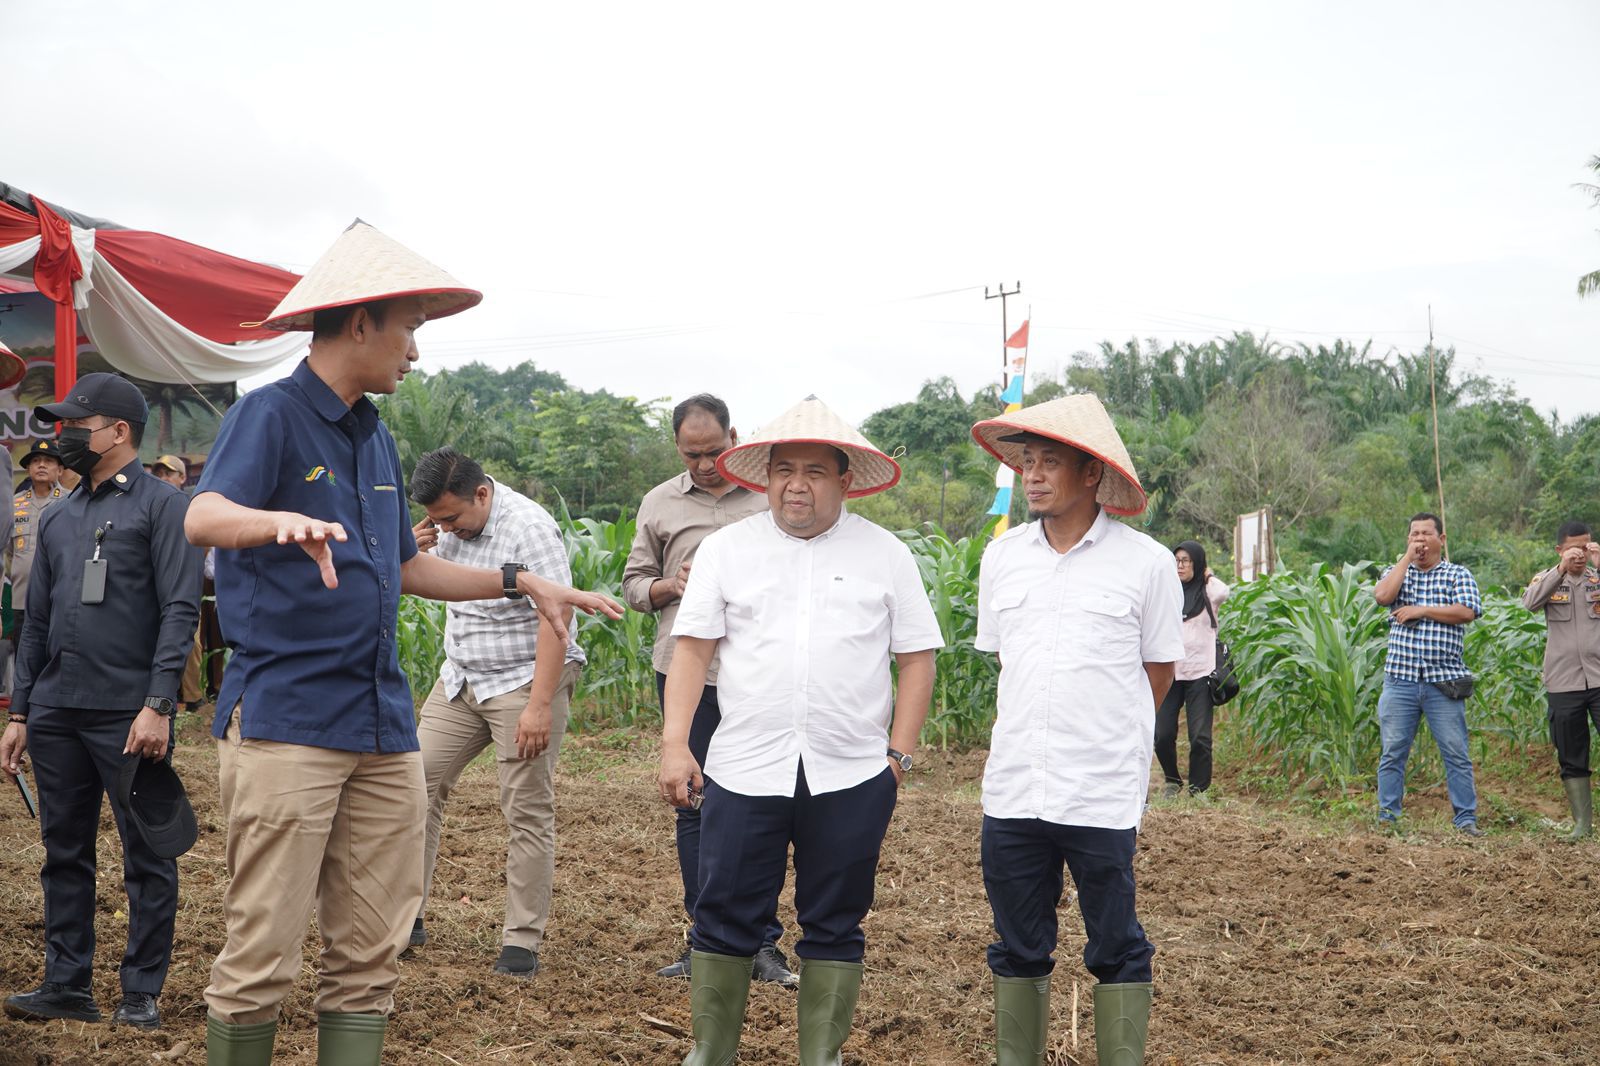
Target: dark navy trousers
744, 856
1022, 873
707, 716
77, 757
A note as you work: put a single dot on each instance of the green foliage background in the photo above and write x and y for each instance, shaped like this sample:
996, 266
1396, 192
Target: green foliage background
1335, 438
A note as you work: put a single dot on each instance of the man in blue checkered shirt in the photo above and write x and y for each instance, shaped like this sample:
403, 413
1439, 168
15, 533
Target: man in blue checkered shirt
1432, 601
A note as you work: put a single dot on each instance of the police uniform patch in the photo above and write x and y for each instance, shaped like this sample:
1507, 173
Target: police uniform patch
1561, 597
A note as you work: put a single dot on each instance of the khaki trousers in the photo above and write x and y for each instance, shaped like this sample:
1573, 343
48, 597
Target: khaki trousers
453, 732
307, 827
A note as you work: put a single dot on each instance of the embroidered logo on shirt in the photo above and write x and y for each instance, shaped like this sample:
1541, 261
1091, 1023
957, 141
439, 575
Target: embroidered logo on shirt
317, 471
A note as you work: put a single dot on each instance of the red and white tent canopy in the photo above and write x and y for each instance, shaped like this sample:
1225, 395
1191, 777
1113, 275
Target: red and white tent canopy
155, 307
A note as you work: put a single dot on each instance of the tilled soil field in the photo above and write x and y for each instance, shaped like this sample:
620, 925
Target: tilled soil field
1280, 940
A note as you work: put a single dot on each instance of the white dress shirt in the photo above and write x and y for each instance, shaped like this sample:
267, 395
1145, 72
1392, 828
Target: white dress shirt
806, 630
1075, 725
491, 644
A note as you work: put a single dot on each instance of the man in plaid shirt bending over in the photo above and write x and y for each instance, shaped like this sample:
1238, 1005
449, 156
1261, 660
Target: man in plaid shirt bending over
1432, 601
505, 680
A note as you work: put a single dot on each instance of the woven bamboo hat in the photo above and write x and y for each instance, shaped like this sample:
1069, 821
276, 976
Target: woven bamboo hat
364, 266
1080, 421
809, 422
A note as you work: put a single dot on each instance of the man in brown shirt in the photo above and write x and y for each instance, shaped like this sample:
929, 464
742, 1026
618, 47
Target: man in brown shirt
1569, 595
674, 518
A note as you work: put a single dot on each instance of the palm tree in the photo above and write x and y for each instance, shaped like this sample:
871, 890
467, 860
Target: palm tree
1589, 284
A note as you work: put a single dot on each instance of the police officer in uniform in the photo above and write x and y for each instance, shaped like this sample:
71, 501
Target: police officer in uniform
1569, 595
112, 605
43, 466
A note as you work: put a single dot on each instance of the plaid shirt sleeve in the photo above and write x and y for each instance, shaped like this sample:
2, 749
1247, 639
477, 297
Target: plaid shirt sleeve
1466, 593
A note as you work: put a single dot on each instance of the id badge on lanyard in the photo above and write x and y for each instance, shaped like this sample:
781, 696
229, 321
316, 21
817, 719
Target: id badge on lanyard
94, 571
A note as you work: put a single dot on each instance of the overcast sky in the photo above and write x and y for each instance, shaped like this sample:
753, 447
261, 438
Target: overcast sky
768, 200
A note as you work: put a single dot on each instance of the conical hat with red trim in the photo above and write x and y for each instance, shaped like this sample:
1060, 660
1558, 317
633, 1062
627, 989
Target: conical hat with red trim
809, 422
1080, 421
364, 266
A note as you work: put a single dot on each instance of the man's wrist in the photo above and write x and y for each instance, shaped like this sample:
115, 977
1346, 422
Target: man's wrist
160, 704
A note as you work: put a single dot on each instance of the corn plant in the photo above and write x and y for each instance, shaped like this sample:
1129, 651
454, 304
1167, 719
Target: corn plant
618, 683
966, 679
419, 633
1309, 649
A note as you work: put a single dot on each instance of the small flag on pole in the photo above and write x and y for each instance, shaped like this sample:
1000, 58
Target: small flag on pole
1011, 396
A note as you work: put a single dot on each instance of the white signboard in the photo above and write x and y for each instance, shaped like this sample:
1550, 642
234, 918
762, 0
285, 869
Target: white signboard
1253, 553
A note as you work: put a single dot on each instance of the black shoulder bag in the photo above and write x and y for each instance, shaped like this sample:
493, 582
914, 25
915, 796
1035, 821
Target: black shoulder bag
1224, 683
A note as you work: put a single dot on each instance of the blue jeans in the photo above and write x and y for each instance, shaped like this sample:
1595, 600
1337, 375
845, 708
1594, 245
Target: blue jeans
1400, 706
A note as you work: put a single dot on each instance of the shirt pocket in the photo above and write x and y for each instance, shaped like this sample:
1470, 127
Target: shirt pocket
855, 606
1106, 620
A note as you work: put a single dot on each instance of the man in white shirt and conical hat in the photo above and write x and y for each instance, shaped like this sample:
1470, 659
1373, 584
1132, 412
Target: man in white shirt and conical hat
321, 778
805, 603
1084, 613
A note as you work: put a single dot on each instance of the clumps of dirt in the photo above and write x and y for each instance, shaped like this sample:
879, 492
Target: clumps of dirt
1277, 940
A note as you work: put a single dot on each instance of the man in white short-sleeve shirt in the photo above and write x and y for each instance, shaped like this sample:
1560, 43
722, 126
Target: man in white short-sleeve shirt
1084, 614
805, 604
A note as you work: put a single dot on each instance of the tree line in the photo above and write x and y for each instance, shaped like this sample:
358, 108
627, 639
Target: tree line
1337, 439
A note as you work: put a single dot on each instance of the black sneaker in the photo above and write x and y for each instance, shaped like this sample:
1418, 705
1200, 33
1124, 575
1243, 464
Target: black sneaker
517, 962
1470, 830
54, 1000
770, 965
139, 1010
419, 935
679, 968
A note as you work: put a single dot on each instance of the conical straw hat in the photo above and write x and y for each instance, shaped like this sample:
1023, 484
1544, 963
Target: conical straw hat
364, 266
809, 422
1080, 421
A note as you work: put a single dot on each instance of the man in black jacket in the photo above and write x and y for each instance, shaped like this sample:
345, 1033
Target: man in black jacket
113, 599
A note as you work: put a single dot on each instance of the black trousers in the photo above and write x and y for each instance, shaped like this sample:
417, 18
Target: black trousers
707, 716
1196, 697
77, 756
1570, 715
1022, 874
837, 838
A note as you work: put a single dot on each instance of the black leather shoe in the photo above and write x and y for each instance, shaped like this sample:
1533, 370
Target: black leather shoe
770, 965
1471, 830
419, 935
518, 962
139, 1010
676, 969
54, 1000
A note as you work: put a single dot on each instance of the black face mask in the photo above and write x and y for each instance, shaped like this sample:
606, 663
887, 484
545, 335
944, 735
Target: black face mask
76, 455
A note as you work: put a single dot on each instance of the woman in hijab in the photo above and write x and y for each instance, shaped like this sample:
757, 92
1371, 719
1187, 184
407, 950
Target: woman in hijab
1191, 688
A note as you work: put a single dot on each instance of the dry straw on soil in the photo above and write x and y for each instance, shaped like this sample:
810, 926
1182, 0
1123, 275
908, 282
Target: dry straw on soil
1278, 942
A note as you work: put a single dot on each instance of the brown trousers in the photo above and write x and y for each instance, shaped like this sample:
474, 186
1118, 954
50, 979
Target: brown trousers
453, 732
312, 827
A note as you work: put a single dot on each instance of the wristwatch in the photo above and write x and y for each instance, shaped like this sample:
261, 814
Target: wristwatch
902, 758
160, 705
508, 580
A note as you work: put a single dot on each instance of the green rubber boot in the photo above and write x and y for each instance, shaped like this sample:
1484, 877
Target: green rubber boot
350, 1039
1581, 800
827, 1007
239, 1045
1021, 1020
1121, 1023
718, 988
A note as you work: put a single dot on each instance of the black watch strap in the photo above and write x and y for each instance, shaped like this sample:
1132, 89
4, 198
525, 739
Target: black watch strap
508, 580
160, 704
902, 758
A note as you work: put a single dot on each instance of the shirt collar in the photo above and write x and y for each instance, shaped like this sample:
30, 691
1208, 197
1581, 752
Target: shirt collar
324, 400
496, 495
686, 486
1096, 533
129, 474
844, 515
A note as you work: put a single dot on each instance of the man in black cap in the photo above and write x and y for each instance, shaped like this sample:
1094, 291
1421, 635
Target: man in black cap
43, 466
112, 604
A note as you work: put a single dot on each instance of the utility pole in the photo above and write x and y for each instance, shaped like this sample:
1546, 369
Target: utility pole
1005, 329
1433, 402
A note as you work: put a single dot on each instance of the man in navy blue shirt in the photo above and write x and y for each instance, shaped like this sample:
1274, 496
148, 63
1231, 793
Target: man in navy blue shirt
113, 598
321, 777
